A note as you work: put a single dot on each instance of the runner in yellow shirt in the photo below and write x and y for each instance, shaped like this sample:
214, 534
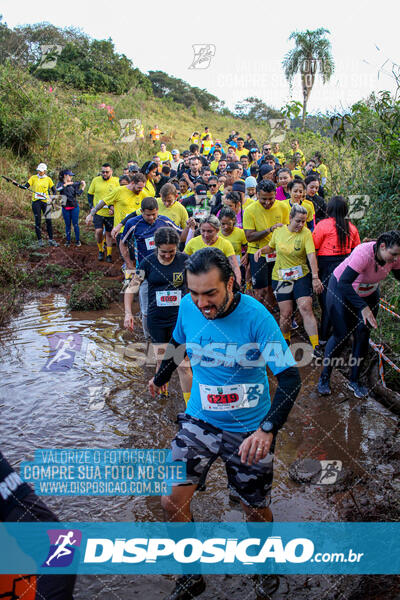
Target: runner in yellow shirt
41, 184
100, 187
209, 236
206, 132
150, 170
241, 150
322, 170
169, 206
297, 190
125, 200
195, 138
259, 221
291, 277
295, 148
233, 234
163, 153
277, 153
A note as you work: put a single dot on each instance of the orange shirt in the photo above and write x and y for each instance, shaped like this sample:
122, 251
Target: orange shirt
326, 240
155, 134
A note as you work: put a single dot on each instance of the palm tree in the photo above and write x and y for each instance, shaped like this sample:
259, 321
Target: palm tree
312, 50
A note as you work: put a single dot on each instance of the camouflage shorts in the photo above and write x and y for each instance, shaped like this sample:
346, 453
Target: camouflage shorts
198, 444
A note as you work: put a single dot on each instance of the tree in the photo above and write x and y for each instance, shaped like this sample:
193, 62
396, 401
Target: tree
312, 50
254, 108
167, 86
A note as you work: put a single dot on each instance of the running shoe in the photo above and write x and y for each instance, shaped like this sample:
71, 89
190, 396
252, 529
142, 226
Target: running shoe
109, 258
78, 244
187, 587
323, 342
67, 244
317, 352
294, 325
266, 585
40, 243
323, 386
53, 243
358, 390
100, 256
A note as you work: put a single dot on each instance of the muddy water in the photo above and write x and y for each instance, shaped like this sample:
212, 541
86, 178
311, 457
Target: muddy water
101, 402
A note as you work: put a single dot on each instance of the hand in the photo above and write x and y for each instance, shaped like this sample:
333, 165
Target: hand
186, 176
244, 261
153, 389
255, 447
115, 231
258, 255
129, 322
317, 286
368, 317
83, 184
89, 219
191, 222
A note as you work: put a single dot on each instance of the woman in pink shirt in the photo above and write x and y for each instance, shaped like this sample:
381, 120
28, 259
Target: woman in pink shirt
284, 177
352, 303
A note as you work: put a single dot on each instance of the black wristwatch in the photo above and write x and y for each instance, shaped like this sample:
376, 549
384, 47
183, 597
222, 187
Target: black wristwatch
268, 427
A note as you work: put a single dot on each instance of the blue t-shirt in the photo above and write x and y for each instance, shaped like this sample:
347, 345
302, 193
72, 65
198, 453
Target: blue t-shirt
228, 358
143, 234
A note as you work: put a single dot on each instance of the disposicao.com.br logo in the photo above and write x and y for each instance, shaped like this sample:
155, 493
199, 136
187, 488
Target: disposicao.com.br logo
62, 547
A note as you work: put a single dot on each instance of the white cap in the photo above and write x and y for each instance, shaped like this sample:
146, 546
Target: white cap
41, 167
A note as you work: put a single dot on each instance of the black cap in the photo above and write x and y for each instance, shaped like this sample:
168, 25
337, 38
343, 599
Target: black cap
239, 186
264, 169
231, 167
201, 189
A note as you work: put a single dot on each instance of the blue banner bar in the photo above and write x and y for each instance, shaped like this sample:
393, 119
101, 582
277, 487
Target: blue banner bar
236, 548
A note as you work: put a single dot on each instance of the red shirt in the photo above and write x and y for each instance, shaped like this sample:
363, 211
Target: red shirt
326, 239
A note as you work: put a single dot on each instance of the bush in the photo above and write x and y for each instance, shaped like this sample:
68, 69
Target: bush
94, 293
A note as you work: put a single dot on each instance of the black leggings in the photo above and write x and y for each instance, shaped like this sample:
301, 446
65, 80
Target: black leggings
38, 207
326, 266
346, 320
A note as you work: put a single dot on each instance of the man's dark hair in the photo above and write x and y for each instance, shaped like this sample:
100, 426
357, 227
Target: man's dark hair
148, 203
193, 148
266, 185
124, 178
206, 259
206, 168
107, 165
165, 170
137, 177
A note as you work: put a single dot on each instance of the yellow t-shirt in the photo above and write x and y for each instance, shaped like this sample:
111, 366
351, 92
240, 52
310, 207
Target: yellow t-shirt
100, 188
203, 135
40, 186
298, 151
237, 238
291, 252
308, 205
248, 201
242, 152
164, 155
258, 218
207, 145
280, 156
177, 213
197, 244
149, 189
298, 172
124, 201
195, 140
323, 170
214, 165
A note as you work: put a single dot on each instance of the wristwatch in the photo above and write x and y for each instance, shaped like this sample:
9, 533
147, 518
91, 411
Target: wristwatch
267, 427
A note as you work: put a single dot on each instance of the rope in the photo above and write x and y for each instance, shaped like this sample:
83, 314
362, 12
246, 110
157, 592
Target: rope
379, 348
388, 310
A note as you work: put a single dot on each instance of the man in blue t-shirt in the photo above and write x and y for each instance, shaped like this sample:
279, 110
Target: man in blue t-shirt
229, 338
139, 235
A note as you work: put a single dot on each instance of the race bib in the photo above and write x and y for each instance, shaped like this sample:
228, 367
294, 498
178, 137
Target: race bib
150, 245
200, 213
270, 257
169, 298
39, 196
366, 289
291, 274
230, 397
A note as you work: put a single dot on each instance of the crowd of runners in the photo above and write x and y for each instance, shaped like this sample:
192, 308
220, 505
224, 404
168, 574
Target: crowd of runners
224, 242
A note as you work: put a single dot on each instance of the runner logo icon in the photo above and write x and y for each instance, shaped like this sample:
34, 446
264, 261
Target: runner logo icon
61, 552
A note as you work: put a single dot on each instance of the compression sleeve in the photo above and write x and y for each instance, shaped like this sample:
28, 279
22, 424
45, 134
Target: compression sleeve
168, 365
90, 198
289, 384
345, 286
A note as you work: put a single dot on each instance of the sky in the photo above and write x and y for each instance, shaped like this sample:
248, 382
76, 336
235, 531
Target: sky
250, 41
